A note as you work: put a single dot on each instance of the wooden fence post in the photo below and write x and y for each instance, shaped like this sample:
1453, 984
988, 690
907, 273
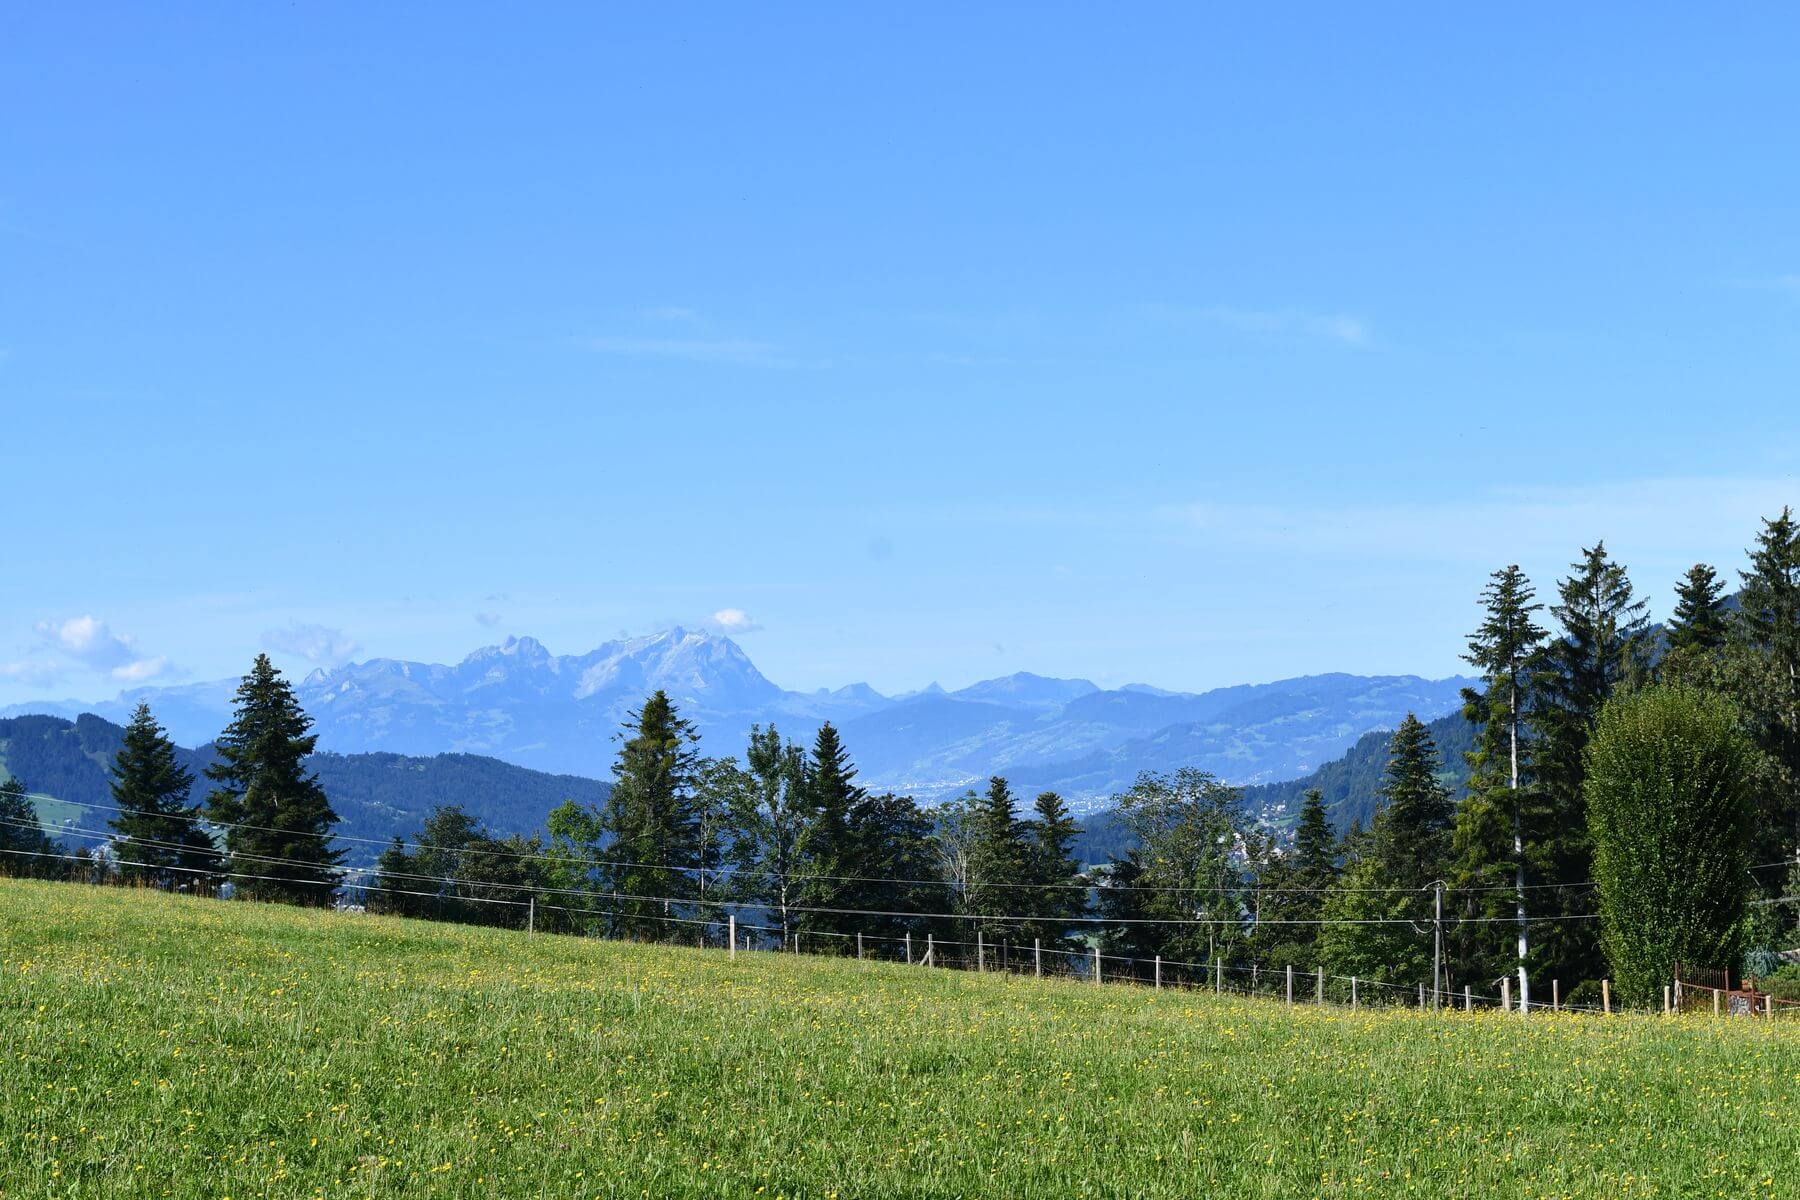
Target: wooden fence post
980, 952
1468, 999
1290, 985
909, 947
1159, 970
1421, 995
1716, 994
1506, 992
1606, 996
859, 945
530, 916
1096, 964
1218, 975
1555, 995
1769, 1007
1353, 993
731, 938
1666, 1005
1319, 988
930, 950
1037, 957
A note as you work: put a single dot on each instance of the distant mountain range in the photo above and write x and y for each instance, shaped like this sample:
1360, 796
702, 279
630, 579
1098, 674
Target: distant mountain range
521, 704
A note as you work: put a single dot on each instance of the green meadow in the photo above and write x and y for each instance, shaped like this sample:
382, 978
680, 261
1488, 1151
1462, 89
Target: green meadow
164, 1046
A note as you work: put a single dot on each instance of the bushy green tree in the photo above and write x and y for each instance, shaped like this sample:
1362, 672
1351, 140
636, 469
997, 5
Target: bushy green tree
162, 840
28, 851
654, 849
1188, 826
277, 819
1669, 810
771, 818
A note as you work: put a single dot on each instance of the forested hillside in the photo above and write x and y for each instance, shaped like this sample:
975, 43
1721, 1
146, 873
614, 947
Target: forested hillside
375, 795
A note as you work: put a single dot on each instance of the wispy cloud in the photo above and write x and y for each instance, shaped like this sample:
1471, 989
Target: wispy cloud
317, 644
730, 621
34, 672
744, 352
1341, 329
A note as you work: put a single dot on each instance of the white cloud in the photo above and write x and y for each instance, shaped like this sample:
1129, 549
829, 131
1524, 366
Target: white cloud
39, 673
141, 670
88, 641
730, 621
489, 619
1342, 329
317, 644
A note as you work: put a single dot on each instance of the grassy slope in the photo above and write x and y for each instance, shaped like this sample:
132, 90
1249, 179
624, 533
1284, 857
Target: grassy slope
156, 1046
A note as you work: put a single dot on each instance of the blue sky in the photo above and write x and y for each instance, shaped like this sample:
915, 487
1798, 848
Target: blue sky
1183, 345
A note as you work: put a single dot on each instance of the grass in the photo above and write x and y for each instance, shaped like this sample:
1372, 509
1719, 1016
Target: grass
163, 1046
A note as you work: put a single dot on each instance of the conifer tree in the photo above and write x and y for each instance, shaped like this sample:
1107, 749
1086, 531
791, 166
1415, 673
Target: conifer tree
655, 848
27, 850
830, 851
894, 853
1603, 651
276, 817
1765, 671
397, 884
1292, 888
1493, 825
1060, 893
1000, 863
163, 841
1698, 623
1386, 894
1315, 848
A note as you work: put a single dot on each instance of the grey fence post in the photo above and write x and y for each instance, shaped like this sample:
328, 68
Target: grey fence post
859, 945
980, 952
1319, 989
1159, 970
731, 937
1096, 964
1290, 984
1353, 993
909, 946
1037, 957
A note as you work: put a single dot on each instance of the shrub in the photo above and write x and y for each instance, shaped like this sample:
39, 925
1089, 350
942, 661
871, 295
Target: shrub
1669, 811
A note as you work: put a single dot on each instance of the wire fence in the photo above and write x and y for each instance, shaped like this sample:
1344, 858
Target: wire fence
724, 929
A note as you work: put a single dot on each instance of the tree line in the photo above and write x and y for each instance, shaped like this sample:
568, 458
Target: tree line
1633, 793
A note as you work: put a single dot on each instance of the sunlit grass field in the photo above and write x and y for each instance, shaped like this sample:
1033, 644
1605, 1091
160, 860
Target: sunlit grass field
162, 1046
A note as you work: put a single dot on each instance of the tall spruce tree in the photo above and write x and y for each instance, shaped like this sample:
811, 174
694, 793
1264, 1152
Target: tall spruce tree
1292, 888
276, 817
894, 852
1603, 650
1493, 824
1765, 675
1386, 895
26, 851
830, 853
1060, 893
655, 850
1000, 865
164, 844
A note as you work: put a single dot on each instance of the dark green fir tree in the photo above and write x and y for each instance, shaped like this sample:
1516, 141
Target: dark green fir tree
161, 840
26, 851
276, 818
654, 856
